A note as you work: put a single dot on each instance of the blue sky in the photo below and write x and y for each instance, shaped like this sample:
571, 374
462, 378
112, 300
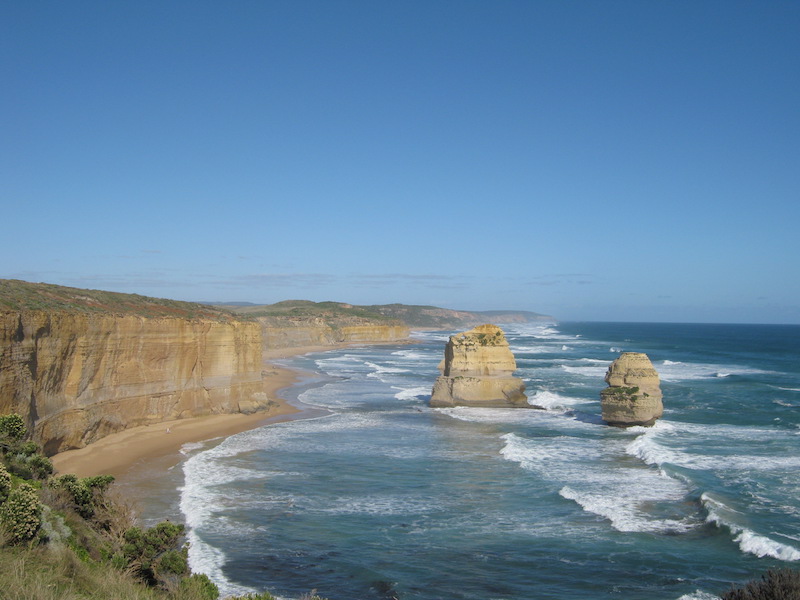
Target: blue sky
593, 160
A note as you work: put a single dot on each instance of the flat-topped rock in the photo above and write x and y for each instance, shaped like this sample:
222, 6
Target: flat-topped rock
477, 371
633, 395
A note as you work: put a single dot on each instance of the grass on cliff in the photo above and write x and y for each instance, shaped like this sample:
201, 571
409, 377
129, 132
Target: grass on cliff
306, 309
22, 295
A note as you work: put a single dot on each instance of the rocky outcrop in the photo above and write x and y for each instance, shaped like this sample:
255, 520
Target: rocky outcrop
77, 377
633, 395
477, 371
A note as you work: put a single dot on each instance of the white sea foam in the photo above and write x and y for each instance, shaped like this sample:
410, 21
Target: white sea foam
648, 448
384, 368
749, 541
623, 514
683, 371
518, 349
552, 400
384, 372
699, 595
413, 355
593, 371
589, 472
412, 393
515, 416
197, 503
190, 447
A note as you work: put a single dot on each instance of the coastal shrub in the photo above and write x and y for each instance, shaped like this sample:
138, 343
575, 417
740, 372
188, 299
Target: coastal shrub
780, 584
199, 586
5, 483
28, 448
41, 466
12, 427
153, 553
258, 596
20, 514
85, 492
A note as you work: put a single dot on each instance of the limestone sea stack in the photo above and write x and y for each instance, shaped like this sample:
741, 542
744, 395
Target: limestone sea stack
633, 395
477, 371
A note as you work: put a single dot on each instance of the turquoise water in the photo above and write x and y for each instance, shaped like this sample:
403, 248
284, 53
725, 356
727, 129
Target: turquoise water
379, 496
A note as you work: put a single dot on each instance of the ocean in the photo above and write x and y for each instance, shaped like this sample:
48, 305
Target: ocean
377, 496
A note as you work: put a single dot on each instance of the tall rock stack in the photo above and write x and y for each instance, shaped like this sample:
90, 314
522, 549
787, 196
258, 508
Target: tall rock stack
477, 371
633, 395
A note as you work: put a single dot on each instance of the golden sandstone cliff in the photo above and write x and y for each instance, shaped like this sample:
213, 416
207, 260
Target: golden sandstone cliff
78, 365
477, 371
295, 333
76, 378
633, 395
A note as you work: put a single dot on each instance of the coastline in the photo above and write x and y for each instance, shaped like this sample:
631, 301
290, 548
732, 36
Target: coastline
118, 453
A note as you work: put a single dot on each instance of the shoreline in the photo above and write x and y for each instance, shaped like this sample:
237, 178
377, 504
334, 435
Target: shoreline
118, 453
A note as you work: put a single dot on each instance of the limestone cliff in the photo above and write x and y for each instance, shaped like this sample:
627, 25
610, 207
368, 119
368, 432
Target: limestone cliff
80, 364
633, 395
288, 332
477, 371
76, 378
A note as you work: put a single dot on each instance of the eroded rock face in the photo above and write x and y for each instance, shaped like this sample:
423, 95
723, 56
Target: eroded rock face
76, 378
633, 395
477, 371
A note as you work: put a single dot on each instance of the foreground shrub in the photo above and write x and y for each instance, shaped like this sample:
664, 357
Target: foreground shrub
782, 584
155, 555
21, 513
29, 466
5, 483
85, 493
199, 586
12, 427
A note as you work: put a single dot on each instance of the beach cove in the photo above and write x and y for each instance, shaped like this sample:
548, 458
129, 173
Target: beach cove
378, 496
119, 453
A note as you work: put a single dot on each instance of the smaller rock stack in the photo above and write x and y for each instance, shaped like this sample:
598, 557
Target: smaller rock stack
633, 395
477, 371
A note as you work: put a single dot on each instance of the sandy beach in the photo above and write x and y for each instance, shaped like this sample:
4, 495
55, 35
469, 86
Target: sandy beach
116, 453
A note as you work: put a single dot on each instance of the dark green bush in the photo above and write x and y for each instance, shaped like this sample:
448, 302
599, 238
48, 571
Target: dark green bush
40, 466
13, 427
173, 561
5, 483
200, 586
28, 448
21, 513
781, 584
85, 493
155, 551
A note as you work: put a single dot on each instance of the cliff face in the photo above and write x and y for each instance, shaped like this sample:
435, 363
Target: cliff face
287, 332
77, 377
633, 395
477, 371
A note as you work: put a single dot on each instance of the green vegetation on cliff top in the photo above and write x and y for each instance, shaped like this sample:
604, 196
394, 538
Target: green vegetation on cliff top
309, 309
16, 295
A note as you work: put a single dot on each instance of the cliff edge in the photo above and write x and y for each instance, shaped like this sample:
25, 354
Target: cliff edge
78, 365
